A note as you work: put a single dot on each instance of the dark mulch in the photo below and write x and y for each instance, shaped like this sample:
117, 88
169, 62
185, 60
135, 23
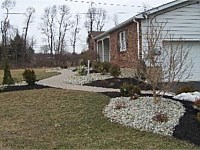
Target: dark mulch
116, 83
194, 84
23, 87
188, 128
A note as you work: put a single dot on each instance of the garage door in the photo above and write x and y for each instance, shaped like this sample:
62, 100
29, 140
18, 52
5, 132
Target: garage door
193, 57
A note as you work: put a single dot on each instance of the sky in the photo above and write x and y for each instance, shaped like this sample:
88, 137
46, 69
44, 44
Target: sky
123, 8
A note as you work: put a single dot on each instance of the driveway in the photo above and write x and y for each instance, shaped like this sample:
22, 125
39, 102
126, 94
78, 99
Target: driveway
58, 82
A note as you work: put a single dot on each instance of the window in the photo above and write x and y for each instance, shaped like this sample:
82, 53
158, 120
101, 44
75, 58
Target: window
122, 41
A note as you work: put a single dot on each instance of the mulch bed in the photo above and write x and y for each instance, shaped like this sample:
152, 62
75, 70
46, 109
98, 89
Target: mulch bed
23, 87
188, 128
116, 83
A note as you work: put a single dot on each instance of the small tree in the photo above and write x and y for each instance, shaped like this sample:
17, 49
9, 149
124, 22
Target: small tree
29, 76
166, 62
7, 5
7, 78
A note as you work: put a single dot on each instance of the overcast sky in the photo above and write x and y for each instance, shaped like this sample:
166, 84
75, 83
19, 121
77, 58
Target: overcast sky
123, 8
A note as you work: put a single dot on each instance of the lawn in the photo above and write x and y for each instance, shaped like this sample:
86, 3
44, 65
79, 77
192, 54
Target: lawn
62, 119
40, 74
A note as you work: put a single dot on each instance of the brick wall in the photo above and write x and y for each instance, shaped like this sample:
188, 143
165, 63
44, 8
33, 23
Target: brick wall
128, 58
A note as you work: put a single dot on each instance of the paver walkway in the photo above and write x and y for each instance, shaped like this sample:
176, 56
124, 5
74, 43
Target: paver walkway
58, 82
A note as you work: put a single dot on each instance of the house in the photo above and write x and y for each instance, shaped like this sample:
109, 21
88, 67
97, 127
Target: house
124, 44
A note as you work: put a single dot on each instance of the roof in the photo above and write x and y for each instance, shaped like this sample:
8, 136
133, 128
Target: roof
165, 7
93, 34
145, 14
96, 33
115, 28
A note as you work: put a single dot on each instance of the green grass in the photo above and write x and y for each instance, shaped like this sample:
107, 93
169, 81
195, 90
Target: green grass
40, 74
61, 119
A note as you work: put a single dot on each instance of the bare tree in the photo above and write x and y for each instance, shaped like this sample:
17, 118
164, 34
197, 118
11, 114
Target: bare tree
29, 14
166, 63
64, 25
95, 19
44, 49
75, 31
100, 19
56, 23
48, 27
90, 18
7, 5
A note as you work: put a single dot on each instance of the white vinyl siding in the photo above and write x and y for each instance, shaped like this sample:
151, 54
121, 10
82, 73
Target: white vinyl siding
122, 41
181, 23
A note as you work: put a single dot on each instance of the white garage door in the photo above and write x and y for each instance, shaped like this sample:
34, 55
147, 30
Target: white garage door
193, 57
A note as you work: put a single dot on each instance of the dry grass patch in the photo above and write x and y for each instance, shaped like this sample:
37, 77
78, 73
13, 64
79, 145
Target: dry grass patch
61, 119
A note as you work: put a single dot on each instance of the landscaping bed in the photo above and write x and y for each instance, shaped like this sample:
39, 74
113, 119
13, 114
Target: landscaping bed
116, 83
21, 88
188, 127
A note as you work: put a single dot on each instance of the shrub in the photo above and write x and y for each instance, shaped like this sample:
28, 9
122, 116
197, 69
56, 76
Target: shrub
104, 67
84, 62
185, 89
160, 117
7, 78
129, 90
120, 105
29, 76
96, 65
63, 66
115, 70
197, 104
82, 71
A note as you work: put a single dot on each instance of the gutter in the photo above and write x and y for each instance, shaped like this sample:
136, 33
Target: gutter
138, 36
114, 28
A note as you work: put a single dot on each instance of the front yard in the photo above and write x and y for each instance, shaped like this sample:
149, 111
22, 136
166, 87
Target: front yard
62, 119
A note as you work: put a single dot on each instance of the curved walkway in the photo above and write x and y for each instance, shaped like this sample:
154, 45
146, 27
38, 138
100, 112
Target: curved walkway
58, 82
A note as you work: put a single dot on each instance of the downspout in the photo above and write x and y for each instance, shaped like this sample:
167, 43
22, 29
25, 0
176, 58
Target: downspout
103, 51
138, 36
97, 48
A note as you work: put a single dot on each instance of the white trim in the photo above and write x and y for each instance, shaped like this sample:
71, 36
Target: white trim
181, 40
138, 36
122, 41
162, 7
106, 37
109, 50
97, 50
103, 53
